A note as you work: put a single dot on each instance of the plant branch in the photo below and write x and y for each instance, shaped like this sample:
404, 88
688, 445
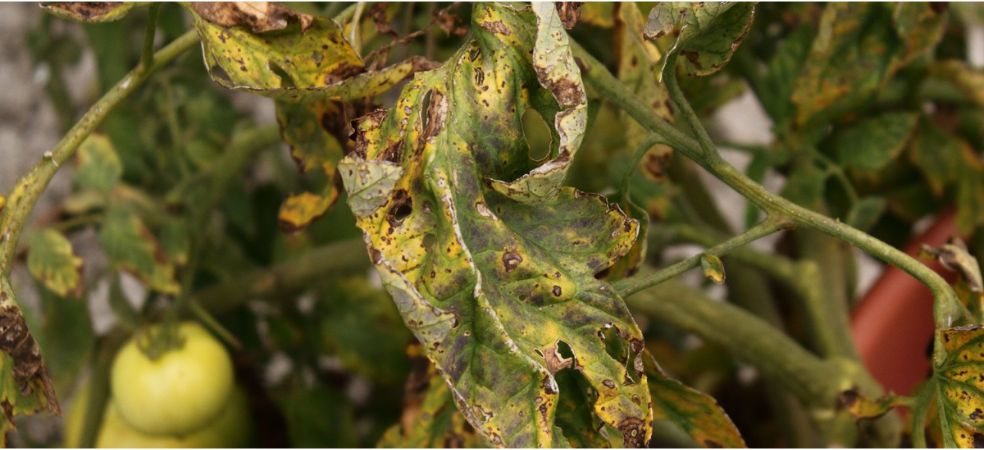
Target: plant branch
27, 191
946, 308
749, 338
629, 286
147, 58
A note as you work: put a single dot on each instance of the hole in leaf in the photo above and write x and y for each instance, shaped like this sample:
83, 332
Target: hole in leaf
402, 206
538, 136
615, 345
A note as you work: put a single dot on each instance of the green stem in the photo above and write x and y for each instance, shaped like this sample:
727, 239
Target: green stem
946, 308
147, 58
632, 285
343, 257
749, 338
27, 191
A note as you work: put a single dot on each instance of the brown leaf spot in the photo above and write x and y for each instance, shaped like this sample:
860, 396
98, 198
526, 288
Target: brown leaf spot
258, 16
16, 340
510, 261
633, 432
569, 13
401, 205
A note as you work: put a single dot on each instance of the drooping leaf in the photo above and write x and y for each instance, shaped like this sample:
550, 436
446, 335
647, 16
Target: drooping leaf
706, 34
429, 418
89, 11
698, 414
496, 278
873, 142
954, 256
960, 389
51, 261
99, 167
132, 246
25, 386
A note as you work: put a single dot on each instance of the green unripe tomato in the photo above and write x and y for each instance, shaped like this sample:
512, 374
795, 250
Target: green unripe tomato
178, 392
230, 429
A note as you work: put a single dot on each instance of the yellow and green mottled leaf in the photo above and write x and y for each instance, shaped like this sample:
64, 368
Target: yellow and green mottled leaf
696, 413
873, 142
51, 261
920, 27
25, 386
960, 387
865, 212
299, 210
713, 268
131, 246
89, 11
496, 278
599, 14
705, 34
99, 167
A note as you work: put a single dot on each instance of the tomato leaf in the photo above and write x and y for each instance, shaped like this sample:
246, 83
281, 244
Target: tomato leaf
705, 34
713, 268
99, 167
132, 246
695, 412
960, 389
90, 12
51, 261
25, 386
872, 143
496, 277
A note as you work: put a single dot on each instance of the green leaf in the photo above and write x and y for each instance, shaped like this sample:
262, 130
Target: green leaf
65, 334
129, 244
51, 261
25, 386
713, 268
960, 389
90, 12
937, 154
99, 167
920, 26
695, 412
866, 212
782, 72
970, 191
317, 416
706, 34
873, 142
970, 81
854, 49
496, 278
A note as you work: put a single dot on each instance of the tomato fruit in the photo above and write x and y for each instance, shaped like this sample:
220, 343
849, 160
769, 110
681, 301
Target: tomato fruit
180, 391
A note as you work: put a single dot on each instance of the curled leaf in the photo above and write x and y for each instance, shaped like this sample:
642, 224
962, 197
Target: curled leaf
258, 16
89, 11
706, 34
51, 261
25, 386
497, 279
954, 256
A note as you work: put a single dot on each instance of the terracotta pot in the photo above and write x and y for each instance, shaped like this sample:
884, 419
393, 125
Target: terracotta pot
893, 322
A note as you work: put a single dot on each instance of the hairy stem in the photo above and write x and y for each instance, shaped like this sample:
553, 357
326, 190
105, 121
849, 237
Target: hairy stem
27, 191
946, 308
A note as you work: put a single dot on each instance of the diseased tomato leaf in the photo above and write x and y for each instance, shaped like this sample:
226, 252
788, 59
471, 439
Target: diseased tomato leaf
873, 142
695, 412
705, 34
51, 261
99, 167
25, 386
960, 387
132, 246
90, 12
496, 278
308, 67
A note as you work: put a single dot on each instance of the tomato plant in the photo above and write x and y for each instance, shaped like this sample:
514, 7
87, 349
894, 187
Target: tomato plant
478, 229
